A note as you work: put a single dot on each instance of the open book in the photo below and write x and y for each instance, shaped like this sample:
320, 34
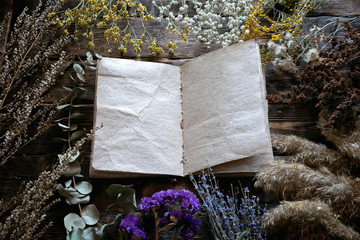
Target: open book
160, 119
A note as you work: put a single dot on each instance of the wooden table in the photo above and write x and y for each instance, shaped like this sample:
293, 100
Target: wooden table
299, 120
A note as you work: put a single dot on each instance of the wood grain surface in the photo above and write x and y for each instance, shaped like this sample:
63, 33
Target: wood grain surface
38, 155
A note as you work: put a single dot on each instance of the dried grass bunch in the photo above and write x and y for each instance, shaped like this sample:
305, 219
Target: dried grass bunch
322, 182
330, 82
23, 116
27, 72
25, 213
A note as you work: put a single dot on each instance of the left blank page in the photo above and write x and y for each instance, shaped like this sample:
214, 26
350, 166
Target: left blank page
139, 105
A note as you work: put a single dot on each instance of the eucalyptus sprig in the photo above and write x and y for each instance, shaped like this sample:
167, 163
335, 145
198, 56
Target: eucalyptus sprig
82, 225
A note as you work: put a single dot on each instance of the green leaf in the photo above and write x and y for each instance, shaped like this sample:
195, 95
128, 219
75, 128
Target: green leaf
112, 228
77, 195
90, 233
68, 89
72, 221
77, 136
58, 140
63, 106
76, 156
73, 169
126, 201
68, 183
115, 189
80, 77
90, 214
89, 55
84, 187
79, 106
65, 192
92, 68
77, 115
125, 196
60, 119
73, 127
63, 127
79, 90
98, 56
78, 69
71, 78
77, 200
76, 234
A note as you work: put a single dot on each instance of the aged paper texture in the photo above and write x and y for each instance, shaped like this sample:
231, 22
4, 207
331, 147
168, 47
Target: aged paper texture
224, 109
139, 105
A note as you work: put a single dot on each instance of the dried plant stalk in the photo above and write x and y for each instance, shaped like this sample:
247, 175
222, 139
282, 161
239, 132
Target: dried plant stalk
25, 213
311, 154
31, 42
306, 220
295, 181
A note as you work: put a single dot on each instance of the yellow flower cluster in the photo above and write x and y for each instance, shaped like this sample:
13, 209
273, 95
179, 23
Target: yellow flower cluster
106, 14
154, 49
171, 47
291, 22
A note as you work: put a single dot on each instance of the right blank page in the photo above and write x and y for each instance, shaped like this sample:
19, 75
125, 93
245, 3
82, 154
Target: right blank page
225, 110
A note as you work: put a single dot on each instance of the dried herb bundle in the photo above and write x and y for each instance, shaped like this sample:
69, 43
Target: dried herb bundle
25, 213
315, 172
306, 220
332, 81
23, 116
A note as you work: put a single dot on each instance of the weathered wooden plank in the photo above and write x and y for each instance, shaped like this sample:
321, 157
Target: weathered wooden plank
344, 8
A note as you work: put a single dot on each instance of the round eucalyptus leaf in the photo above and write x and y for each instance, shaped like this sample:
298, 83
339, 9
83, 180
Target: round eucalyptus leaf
98, 56
90, 214
78, 69
76, 234
80, 77
76, 200
91, 62
77, 194
79, 90
75, 157
68, 183
63, 127
84, 187
73, 169
115, 189
90, 233
126, 201
72, 221
91, 67
89, 55
67, 89
59, 140
65, 192
63, 106
77, 115
77, 136
73, 127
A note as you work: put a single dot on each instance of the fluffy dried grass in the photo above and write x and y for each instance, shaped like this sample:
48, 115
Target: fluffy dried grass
306, 220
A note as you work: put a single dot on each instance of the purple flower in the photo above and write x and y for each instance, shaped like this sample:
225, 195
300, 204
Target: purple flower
191, 226
174, 216
132, 225
147, 203
189, 202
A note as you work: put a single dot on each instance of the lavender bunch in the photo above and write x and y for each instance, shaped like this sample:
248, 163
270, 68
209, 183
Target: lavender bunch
171, 209
229, 218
